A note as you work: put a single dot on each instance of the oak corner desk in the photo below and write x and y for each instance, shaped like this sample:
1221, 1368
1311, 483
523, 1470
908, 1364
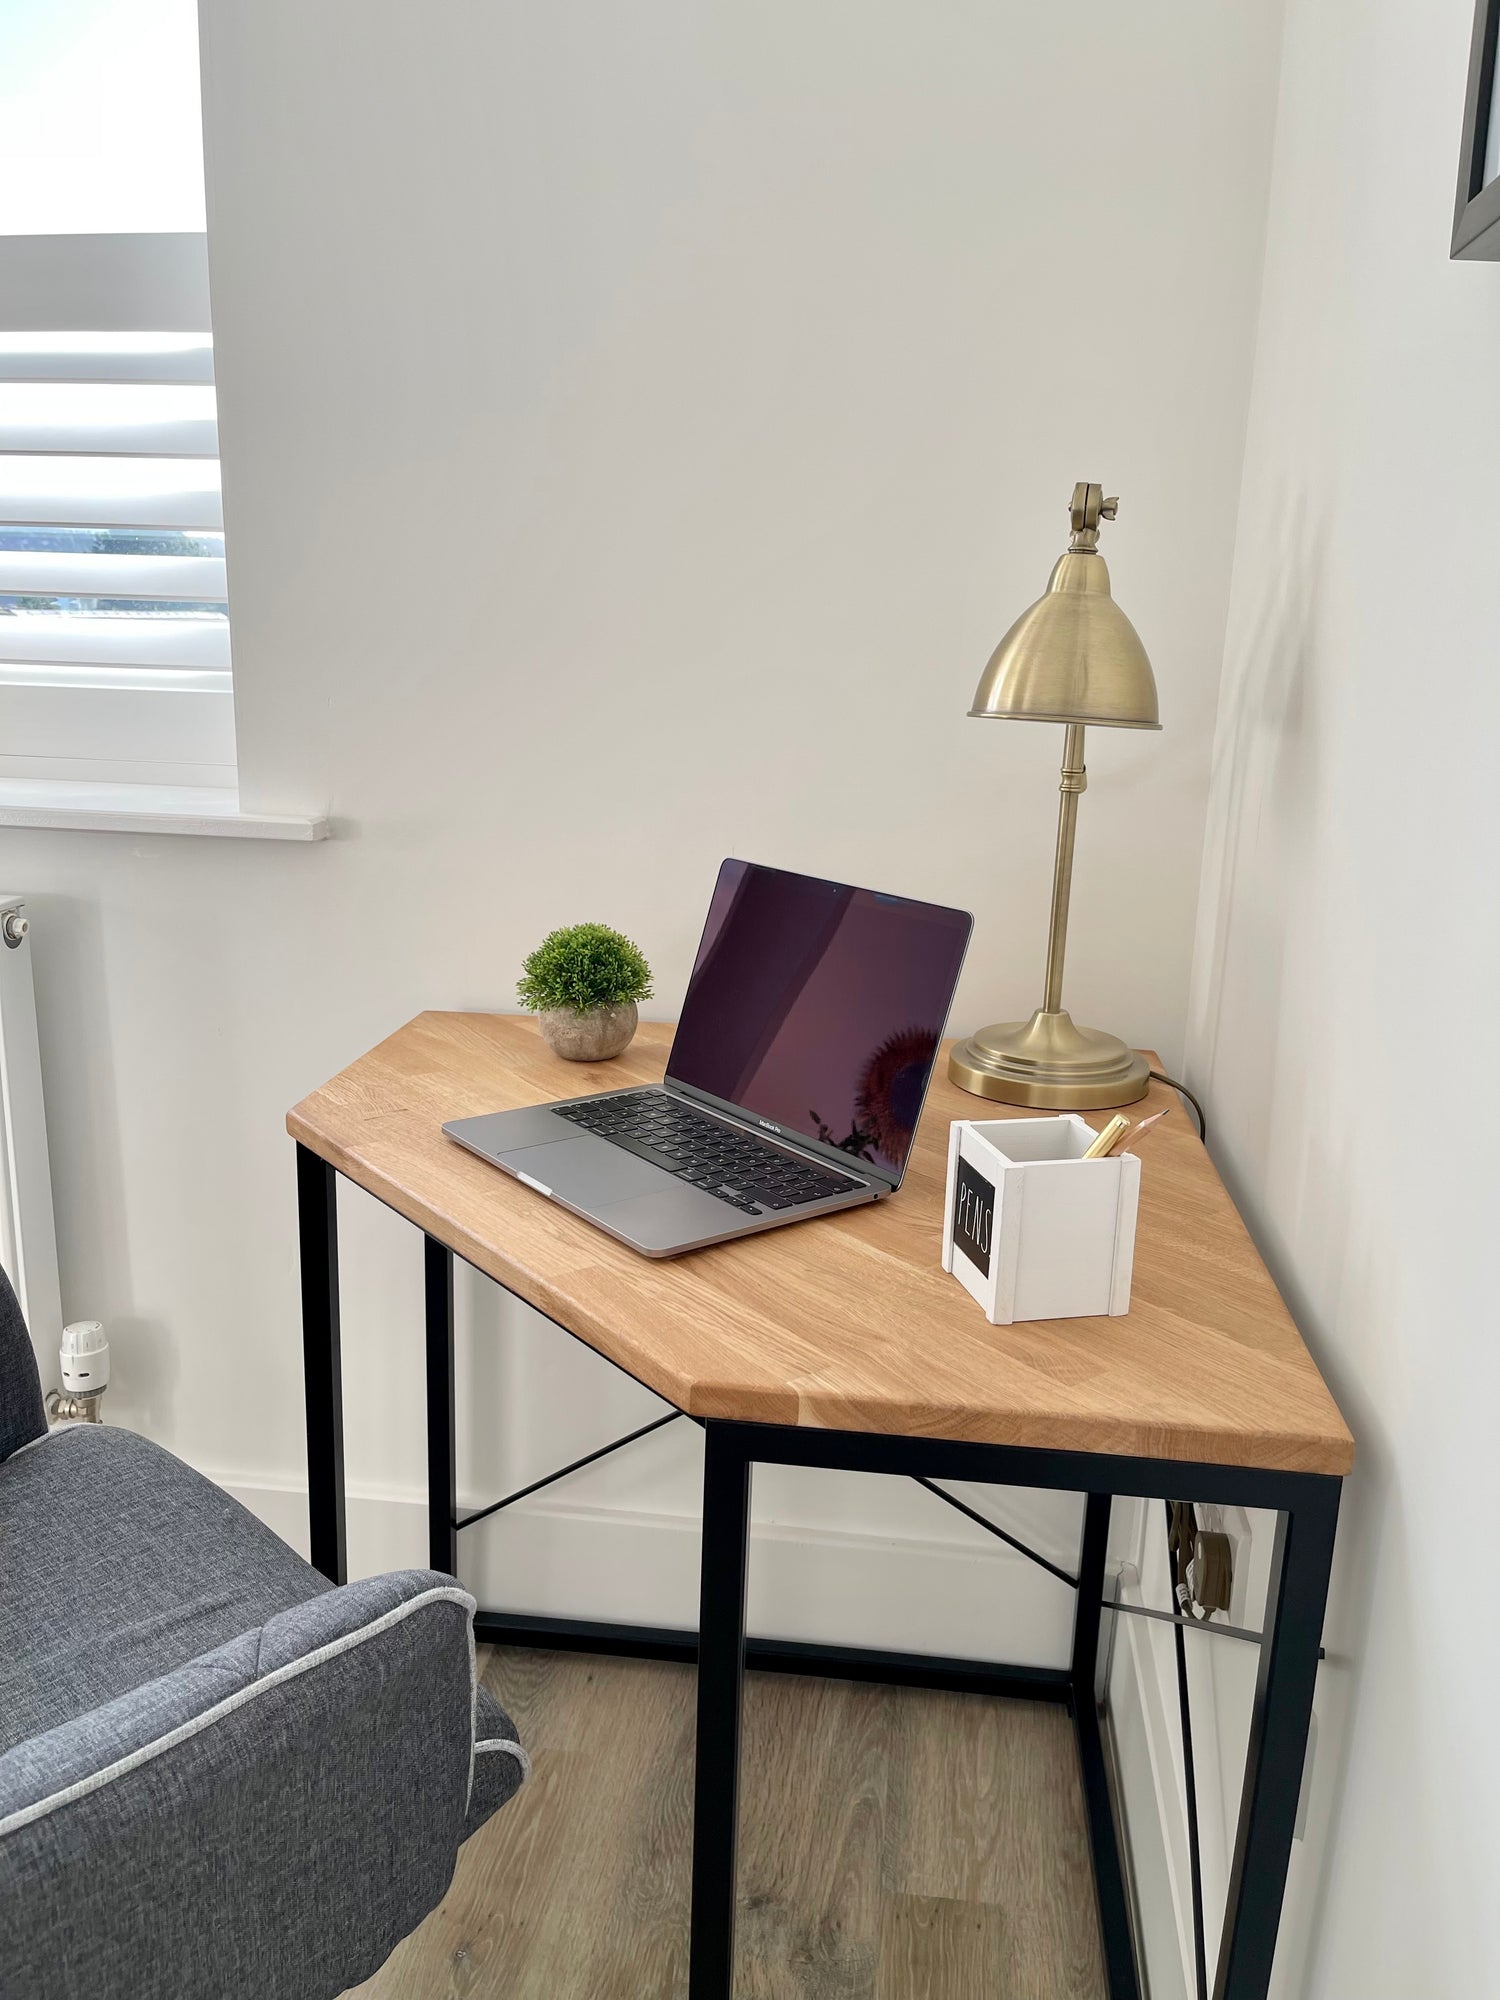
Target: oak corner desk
843, 1344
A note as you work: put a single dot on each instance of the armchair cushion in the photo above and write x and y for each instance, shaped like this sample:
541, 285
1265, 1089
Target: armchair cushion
121, 1563
217, 1772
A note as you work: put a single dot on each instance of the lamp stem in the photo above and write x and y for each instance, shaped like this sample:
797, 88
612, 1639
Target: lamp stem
1074, 781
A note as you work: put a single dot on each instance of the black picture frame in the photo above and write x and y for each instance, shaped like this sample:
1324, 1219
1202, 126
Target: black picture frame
1476, 212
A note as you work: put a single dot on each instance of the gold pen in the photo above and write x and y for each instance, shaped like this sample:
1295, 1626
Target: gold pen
1107, 1137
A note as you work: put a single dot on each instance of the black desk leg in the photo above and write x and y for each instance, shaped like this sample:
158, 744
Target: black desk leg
442, 1462
1090, 1606
721, 1670
1295, 1602
318, 1241
1109, 1872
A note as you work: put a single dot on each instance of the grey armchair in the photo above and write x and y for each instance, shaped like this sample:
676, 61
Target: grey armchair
218, 1773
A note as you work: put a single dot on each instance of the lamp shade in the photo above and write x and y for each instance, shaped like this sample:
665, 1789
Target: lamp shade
1073, 656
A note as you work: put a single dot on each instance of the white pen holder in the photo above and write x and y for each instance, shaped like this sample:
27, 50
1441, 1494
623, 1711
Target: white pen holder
1031, 1228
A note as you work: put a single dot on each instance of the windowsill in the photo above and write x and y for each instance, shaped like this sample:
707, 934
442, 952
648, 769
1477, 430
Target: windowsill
122, 808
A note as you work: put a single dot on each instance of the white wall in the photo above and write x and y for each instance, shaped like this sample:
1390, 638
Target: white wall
638, 426
1343, 1019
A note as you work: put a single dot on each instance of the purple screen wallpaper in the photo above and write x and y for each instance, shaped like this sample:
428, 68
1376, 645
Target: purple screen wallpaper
820, 1007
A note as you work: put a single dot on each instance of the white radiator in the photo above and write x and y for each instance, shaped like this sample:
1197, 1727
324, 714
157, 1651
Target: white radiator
28, 1240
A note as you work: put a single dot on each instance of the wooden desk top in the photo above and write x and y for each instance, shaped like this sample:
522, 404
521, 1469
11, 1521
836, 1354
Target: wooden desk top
848, 1322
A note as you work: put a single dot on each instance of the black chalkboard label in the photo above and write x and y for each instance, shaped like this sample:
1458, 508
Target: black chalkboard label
974, 1216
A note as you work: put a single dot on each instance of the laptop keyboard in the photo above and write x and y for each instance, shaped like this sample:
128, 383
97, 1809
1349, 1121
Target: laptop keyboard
745, 1172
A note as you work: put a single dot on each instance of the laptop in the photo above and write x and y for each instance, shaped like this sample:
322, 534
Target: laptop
796, 1079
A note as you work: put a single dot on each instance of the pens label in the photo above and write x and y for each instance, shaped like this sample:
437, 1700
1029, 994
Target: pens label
974, 1216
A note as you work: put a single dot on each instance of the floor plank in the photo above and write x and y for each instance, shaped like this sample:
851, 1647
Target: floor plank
895, 1845
994, 1816
815, 1760
932, 1948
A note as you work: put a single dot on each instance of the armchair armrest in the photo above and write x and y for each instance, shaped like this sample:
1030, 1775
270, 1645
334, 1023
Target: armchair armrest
271, 1818
23, 1416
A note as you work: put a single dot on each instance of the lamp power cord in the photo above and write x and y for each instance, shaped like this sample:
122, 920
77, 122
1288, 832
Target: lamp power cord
1160, 1076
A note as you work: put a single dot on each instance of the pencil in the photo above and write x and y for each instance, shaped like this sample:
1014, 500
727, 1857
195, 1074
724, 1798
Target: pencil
1129, 1145
1112, 1131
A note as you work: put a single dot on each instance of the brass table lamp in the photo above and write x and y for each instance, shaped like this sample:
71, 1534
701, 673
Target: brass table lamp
1072, 658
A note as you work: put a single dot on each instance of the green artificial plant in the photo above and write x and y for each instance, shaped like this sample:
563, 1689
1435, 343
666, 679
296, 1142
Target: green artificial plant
583, 967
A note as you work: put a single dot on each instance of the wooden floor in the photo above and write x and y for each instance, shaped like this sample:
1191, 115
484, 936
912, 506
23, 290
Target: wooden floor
894, 1845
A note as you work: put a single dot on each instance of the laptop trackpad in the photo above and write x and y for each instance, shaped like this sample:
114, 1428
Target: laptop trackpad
587, 1170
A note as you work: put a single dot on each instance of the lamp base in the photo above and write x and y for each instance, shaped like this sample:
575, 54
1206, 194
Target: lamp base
1049, 1063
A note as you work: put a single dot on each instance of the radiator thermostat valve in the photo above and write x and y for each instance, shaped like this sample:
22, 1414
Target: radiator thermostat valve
85, 1371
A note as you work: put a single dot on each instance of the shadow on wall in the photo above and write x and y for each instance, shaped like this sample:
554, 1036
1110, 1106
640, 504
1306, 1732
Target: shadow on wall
1309, 1185
145, 1369
1264, 748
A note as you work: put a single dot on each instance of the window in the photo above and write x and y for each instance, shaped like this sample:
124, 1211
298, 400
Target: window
114, 628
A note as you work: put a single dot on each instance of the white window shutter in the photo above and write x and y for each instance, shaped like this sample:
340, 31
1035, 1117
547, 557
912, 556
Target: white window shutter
114, 626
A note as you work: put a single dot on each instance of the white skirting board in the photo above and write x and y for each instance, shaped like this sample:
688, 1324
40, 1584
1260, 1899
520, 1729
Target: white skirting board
565, 1561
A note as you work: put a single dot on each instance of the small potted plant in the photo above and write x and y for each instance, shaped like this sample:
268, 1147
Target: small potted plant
582, 984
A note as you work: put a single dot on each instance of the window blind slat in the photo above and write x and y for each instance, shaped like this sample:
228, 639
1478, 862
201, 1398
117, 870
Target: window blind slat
82, 357
110, 493
122, 282
38, 573
114, 678
141, 642
158, 419
192, 437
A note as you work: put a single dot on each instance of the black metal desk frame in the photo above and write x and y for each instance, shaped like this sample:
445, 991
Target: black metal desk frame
1306, 1505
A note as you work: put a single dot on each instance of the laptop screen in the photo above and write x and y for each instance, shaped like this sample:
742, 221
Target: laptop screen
819, 1008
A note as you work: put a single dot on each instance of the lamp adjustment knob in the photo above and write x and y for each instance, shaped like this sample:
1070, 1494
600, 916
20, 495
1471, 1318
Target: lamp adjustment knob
1086, 510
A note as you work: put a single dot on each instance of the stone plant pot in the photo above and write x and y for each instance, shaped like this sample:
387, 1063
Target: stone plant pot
592, 1037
